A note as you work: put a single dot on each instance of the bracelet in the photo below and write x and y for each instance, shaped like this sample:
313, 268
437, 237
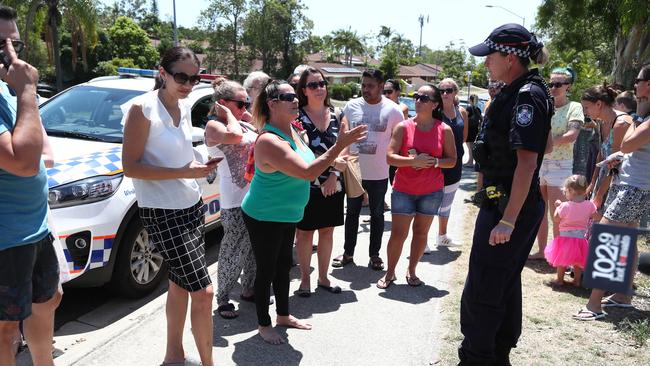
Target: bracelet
506, 223
436, 164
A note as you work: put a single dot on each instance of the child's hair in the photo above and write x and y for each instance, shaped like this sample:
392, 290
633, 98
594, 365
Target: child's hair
577, 183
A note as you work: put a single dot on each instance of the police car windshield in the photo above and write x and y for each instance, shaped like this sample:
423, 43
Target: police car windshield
87, 112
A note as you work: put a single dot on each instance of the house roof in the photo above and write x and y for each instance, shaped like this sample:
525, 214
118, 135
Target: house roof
335, 70
419, 70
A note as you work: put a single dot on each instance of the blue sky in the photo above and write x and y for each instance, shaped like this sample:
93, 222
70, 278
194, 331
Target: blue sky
449, 20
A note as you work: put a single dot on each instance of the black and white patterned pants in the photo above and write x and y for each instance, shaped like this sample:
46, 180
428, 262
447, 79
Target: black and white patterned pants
179, 237
235, 255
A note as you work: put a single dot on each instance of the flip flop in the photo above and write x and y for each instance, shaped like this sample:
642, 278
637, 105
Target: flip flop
331, 289
413, 281
227, 311
341, 261
383, 284
302, 293
608, 302
590, 315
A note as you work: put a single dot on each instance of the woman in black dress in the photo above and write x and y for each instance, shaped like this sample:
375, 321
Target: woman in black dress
324, 210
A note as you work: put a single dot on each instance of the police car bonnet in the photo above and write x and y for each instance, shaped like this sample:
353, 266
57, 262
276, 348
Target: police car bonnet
509, 38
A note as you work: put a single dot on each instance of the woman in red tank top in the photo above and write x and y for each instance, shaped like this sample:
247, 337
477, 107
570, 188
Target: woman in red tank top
419, 148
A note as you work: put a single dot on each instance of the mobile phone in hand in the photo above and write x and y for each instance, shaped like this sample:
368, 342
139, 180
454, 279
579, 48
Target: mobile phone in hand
213, 160
5, 59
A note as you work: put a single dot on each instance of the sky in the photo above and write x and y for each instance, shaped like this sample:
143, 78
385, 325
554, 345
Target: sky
464, 22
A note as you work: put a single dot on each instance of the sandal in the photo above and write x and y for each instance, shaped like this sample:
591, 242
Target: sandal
608, 302
376, 263
331, 289
227, 311
587, 315
413, 281
302, 293
383, 283
342, 260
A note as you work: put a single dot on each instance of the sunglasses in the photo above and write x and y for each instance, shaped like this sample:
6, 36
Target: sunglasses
285, 97
636, 81
182, 78
19, 45
313, 85
447, 91
422, 98
388, 91
557, 85
240, 103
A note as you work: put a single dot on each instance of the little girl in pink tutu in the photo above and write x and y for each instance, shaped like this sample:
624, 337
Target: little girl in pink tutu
572, 216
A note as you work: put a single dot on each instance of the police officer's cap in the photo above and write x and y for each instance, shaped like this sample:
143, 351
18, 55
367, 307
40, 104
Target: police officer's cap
508, 38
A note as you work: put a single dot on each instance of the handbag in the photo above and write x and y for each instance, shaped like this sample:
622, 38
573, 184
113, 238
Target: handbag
352, 177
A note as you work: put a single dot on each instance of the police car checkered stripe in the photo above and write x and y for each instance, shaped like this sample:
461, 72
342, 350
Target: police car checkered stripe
99, 163
508, 49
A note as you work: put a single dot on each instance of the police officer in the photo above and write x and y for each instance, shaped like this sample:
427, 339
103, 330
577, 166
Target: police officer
509, 150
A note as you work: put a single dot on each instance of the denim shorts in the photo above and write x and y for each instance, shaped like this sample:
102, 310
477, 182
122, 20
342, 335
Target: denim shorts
412, 204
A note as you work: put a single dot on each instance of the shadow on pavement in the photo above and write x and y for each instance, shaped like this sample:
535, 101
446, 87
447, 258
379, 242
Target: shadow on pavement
412, 295
360, 276
441, 256
320, 302
254, 351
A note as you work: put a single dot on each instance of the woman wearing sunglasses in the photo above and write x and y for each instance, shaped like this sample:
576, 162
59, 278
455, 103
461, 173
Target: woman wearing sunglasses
558, 164
278, 194
419, 148
324, 209
228, 137
392, 90
157, 153
455, 117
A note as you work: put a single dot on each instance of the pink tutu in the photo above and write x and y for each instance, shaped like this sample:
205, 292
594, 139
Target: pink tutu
565, 251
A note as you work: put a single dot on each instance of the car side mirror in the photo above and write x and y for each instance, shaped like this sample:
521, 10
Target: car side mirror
198, 136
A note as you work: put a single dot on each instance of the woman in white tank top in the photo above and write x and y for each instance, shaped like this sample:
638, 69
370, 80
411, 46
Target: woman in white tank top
157, 153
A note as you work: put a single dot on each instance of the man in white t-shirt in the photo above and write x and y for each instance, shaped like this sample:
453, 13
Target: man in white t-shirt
381, 115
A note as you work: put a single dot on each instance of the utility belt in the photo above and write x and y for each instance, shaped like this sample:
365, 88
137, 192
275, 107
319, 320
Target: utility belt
494, 195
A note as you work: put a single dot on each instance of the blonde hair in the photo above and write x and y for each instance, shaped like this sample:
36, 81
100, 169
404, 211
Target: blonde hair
449, 81
577, 183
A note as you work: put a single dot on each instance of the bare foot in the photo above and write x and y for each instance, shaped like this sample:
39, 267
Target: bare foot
555, 283
291, 322
269, 335
575, 283
536, 256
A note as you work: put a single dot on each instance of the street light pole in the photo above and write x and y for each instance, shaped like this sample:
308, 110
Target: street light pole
175, 29
523, 20
421, 20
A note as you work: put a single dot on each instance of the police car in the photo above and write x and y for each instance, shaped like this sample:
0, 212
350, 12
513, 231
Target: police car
93, 204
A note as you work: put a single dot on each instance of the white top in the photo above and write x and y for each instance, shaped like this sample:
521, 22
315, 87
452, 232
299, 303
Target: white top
381, 119
167, 146
232, 185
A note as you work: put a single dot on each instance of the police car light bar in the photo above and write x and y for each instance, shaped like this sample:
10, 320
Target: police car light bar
138, 72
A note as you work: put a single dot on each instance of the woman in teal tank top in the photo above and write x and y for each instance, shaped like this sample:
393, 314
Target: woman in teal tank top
275, 202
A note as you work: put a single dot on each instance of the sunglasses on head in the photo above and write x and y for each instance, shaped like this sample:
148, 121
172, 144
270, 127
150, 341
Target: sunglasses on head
388, 91
636, 81
285, 97
422, 98
447, 91
19, 45
313, 85
557, 85
240, 103
182, 78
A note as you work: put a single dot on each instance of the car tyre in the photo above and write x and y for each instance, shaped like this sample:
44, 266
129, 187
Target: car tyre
139, 268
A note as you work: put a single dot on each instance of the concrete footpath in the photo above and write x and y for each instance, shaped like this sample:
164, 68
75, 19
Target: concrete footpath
361, 326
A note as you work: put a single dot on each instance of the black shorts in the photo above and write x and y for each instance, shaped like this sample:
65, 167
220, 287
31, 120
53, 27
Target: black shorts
28, 274
179, 237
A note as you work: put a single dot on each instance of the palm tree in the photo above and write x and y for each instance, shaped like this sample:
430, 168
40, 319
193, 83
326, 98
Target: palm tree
349, 41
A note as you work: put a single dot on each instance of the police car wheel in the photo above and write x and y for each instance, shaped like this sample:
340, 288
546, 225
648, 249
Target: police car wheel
139, 269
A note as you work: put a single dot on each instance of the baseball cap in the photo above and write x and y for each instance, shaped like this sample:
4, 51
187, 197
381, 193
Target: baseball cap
509, 38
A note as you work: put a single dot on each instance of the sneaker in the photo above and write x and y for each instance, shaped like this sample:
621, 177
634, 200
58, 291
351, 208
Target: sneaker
445, 241
427, 250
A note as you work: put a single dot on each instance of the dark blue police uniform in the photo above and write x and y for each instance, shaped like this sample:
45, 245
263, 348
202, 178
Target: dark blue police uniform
518, 118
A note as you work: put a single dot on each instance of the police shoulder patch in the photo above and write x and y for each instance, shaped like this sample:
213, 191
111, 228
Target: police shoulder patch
525, 88
524, 115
